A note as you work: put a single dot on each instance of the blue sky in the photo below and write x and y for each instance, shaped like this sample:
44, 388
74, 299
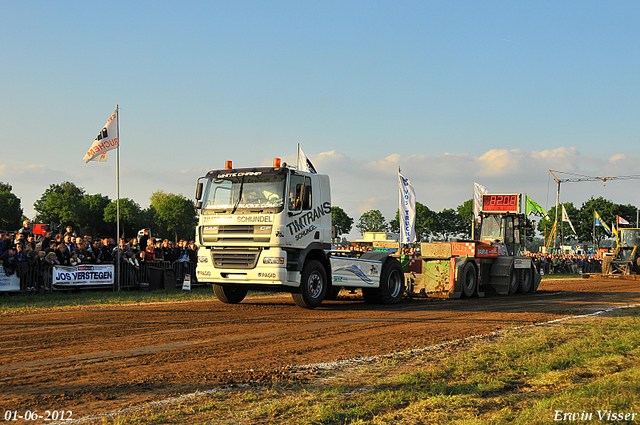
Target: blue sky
452, 92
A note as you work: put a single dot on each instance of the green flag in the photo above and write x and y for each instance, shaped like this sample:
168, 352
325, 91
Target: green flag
534, 208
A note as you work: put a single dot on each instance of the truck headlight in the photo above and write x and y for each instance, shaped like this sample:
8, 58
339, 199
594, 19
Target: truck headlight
203, 259
273, 260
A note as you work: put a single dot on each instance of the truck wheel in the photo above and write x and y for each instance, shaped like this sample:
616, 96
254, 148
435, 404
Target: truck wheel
392, 286
526, 280
514, 281
230, 294
469, 280
313, 286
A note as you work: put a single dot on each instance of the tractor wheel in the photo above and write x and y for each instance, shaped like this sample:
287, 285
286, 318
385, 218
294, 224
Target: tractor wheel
469, 280
392, 285
230, 294
526, 280
514, 281
313, 286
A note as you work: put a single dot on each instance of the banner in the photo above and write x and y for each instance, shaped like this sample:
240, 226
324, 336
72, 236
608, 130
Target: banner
9, 283
533, 208
478, 191
601, 223
407, 210
622, 220
565, 217
106, 140
83, 275
304, 164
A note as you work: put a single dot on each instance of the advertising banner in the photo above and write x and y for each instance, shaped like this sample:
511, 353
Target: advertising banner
8, 283
84, 275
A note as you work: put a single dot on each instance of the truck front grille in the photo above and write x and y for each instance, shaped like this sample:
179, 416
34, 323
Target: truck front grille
235, 258
236, 234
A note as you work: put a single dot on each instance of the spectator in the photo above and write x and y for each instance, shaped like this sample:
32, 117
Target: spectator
134, 247
97, 252
51, 248
75, 258
192, 252
68, 243
22, 266
62, 254
69, 232
44, 242
8, 261
107, 250
167, 251
25, 230
30, 241
144, 238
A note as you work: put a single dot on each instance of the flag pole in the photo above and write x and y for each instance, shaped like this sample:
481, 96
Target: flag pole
473, 208
298, 158
400, 213
117, 286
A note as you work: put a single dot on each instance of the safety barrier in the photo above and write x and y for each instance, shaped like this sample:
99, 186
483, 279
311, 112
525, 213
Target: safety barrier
38, 277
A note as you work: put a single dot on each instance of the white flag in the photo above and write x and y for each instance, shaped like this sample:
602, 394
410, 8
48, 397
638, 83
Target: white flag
478, 191
565, 217
106, 140
304, 164
407, 210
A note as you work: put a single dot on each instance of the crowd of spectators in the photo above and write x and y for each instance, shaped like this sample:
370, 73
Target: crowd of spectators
566, 263
544, 263
31, 257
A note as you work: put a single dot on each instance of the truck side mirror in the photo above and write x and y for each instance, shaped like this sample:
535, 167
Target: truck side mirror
199, 191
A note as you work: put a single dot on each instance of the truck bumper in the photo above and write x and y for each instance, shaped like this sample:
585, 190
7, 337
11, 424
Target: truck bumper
267, 274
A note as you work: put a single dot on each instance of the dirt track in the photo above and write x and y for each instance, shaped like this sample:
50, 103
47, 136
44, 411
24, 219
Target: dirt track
102, 359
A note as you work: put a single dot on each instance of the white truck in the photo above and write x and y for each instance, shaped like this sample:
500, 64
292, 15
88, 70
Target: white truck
269, 229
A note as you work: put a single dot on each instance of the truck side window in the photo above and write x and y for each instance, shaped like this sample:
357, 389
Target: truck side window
299, 193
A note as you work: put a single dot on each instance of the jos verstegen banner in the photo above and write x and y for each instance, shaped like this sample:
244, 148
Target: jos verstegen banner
106, 140
407, 210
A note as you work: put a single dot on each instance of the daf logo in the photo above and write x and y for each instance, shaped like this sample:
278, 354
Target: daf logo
209, 228
264, 227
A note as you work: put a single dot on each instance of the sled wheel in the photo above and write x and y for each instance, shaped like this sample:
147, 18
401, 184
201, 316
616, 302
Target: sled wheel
469, 280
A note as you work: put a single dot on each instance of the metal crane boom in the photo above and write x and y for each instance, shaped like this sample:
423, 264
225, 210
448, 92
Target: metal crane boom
581, 178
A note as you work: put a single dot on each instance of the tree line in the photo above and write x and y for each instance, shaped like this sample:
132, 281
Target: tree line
430, 225
456, 223
168, 215
174, 216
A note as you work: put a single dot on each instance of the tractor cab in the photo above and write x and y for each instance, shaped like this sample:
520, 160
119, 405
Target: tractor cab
626, 253
501, 229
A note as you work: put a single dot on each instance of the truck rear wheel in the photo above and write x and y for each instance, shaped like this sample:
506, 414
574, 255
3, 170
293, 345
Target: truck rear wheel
469, 281
391, 289
526, 280
230, 294
392, 285
313, 285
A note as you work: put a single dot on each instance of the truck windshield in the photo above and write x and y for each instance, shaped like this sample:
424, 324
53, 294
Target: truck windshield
246, 192
628, 237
